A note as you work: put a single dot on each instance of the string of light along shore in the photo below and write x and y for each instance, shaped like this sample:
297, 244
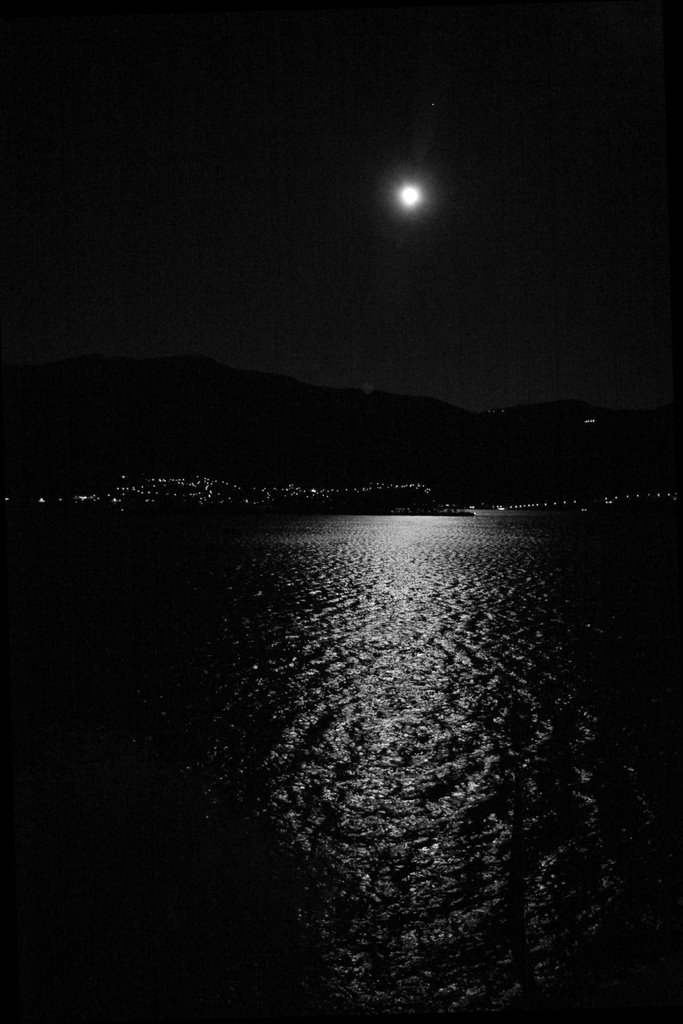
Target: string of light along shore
207, 491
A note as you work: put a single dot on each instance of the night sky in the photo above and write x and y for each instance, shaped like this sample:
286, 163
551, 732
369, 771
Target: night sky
226, 184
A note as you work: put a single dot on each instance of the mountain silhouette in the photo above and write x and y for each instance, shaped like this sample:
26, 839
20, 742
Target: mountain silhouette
80, 423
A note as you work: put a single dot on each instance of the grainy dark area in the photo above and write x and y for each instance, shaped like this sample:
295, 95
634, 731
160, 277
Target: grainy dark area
134, 900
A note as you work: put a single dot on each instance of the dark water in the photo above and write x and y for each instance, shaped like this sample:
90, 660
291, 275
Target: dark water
465, 732
461, 725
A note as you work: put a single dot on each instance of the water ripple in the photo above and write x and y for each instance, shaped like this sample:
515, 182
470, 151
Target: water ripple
403, 697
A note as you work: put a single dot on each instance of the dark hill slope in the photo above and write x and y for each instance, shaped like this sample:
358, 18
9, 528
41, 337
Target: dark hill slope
80, 423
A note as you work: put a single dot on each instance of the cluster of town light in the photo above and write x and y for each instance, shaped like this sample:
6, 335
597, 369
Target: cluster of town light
208, 491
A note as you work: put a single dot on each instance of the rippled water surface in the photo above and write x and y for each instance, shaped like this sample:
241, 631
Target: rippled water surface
441, 717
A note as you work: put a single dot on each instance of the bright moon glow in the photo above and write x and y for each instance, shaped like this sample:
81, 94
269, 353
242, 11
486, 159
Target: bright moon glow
410, 196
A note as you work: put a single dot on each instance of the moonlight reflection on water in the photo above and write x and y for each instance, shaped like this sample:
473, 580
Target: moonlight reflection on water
406, 698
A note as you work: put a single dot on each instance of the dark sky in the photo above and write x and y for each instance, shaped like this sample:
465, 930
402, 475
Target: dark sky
225, 184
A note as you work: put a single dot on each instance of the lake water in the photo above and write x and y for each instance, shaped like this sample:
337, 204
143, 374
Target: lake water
465, 733
464, 727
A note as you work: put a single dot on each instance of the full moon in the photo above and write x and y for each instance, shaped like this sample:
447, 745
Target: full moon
410, 195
